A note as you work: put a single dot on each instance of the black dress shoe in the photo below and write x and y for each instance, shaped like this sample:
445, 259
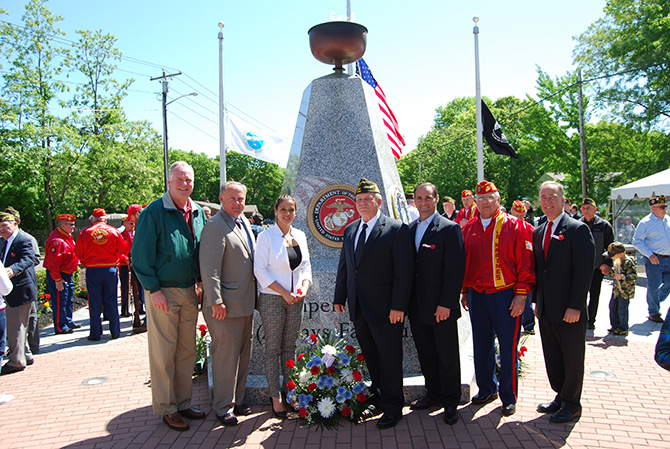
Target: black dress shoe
193, 413
509, 409
549, 407
656, 318
482, 399
175, 422
30, 361
228, 420
10, 369
75, 326
66, 331
89, 338
114, 337
389, 420
424, 403
242, 410
450, 415
564, 416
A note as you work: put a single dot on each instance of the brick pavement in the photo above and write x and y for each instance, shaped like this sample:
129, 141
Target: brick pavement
52, 409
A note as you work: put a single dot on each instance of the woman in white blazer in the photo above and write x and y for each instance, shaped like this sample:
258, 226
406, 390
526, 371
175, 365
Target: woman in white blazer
284, 274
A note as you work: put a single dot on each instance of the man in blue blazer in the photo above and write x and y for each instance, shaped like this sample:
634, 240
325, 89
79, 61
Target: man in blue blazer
434, 307
18, 258
375, 276
564, 256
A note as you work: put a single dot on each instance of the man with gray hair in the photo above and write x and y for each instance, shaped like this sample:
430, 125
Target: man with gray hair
165, 259
230, 298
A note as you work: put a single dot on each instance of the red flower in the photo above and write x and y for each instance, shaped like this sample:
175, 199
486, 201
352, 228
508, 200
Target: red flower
290, 363
522, 350
331, 369
350, 349
361, 397
357, 376
346, 411
315, 370
313, 338
360, 357
301, 356
311, 387
203, 330
302, 412
290, 385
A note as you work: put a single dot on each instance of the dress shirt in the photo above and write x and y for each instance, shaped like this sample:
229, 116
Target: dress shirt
653, 235
554, 226
9, 243
243, 229
421, 227
371, 224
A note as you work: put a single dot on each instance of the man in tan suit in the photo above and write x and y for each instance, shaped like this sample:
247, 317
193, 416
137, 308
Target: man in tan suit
226, 263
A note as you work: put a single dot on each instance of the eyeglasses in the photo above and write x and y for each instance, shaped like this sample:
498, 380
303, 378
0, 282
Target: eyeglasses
662, 206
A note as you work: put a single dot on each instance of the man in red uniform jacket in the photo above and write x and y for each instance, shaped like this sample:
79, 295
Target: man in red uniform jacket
468, 212
499, 274
100, 247
60, 262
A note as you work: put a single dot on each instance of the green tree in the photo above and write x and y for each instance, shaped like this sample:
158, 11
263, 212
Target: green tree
628, 51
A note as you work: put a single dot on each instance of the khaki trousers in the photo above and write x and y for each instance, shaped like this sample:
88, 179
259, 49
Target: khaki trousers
171, 338
17, 333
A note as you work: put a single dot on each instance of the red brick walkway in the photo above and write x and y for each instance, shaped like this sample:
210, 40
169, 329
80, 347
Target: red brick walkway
52, 408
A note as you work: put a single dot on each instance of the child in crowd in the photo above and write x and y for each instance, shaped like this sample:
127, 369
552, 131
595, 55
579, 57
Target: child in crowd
623, 289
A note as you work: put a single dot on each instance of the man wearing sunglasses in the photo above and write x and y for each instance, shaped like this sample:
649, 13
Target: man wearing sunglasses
652, 239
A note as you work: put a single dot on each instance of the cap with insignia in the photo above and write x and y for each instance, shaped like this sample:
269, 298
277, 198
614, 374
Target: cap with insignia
485, 187
65, 217
589, 201
409, 196
4, 216
659, 199
365, 186
466, 193
99, 213
518, 206
11, 210
133, 208
448, 199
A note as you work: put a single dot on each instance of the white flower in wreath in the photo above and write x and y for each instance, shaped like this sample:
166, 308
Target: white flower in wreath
346, 375
326, 407
304, 376
329, 349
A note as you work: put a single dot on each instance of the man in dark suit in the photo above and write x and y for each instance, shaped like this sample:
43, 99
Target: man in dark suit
564, 257
18, 258
434, 307
375, 276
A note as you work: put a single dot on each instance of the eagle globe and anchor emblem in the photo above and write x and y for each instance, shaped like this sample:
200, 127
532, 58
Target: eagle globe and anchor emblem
330, 211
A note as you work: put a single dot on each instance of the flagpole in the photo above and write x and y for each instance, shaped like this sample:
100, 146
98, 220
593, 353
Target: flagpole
350, 67
222, 112
478, 95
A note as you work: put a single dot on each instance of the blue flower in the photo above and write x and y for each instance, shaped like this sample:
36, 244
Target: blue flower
348, 395
330, 381
322, 382
315, 361
341, 390
339, 398
359, 387
344, 359
290, 395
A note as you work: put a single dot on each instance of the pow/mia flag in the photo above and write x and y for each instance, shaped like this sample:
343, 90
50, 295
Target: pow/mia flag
494, 135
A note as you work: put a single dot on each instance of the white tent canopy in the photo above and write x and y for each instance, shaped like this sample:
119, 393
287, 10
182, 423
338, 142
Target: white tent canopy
656, 184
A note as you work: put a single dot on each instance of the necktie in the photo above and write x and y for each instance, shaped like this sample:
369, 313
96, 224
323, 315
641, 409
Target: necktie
358, 254
547, 238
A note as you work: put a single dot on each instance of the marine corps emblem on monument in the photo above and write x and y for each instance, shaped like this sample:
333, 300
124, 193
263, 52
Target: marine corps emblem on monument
330, 211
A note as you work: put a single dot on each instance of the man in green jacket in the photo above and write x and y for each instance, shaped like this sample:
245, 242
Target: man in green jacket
165, 259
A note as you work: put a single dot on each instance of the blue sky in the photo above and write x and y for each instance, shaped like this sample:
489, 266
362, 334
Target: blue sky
421, 53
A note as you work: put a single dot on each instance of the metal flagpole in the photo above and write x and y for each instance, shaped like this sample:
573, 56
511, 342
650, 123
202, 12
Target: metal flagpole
478, 94
222, 112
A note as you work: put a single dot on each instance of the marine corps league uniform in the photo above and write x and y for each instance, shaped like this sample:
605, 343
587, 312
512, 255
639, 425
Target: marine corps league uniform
99, 247
467, 213
60, 262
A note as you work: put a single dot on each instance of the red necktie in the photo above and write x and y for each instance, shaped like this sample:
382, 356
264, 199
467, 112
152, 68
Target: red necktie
547, 239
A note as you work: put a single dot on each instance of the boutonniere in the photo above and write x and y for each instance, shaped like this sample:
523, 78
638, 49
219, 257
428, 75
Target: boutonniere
425, 245
13, 254
558, 237
434, 228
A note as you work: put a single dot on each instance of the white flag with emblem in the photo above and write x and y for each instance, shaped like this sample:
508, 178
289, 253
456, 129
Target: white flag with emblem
257, 141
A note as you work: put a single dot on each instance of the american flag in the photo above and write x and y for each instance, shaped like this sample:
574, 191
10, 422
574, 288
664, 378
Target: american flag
395, 138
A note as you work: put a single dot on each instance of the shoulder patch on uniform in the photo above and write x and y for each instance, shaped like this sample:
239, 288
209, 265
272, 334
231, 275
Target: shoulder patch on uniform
529, 245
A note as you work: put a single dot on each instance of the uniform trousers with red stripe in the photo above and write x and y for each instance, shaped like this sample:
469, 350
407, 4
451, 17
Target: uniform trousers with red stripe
61, 302
490, 317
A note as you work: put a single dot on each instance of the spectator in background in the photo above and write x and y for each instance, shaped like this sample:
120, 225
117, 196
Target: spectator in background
574, 212
623, 289
530, 214
468, 212
411, 208
449, 206
257, 224
528, 319
627, 231
207, 211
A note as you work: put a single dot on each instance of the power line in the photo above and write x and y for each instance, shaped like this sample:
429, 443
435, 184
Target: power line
189, 123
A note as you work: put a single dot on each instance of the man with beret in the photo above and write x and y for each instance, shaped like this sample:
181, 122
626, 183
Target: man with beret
564, 258
18, 258
61, 262
99, 248
449, 206
374, 276
652, 239
603, 235
33, 337
499, 275
468, 212
439, 266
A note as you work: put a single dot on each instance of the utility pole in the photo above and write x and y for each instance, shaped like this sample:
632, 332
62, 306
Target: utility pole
582, 136
165, 83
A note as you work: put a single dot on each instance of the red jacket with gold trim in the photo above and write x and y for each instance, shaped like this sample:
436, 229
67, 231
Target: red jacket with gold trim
500, 257
60, 256
100, 245
466, 214
128, 237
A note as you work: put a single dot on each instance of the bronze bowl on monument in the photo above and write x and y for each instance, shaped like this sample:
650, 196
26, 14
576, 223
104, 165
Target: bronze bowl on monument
338, 43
